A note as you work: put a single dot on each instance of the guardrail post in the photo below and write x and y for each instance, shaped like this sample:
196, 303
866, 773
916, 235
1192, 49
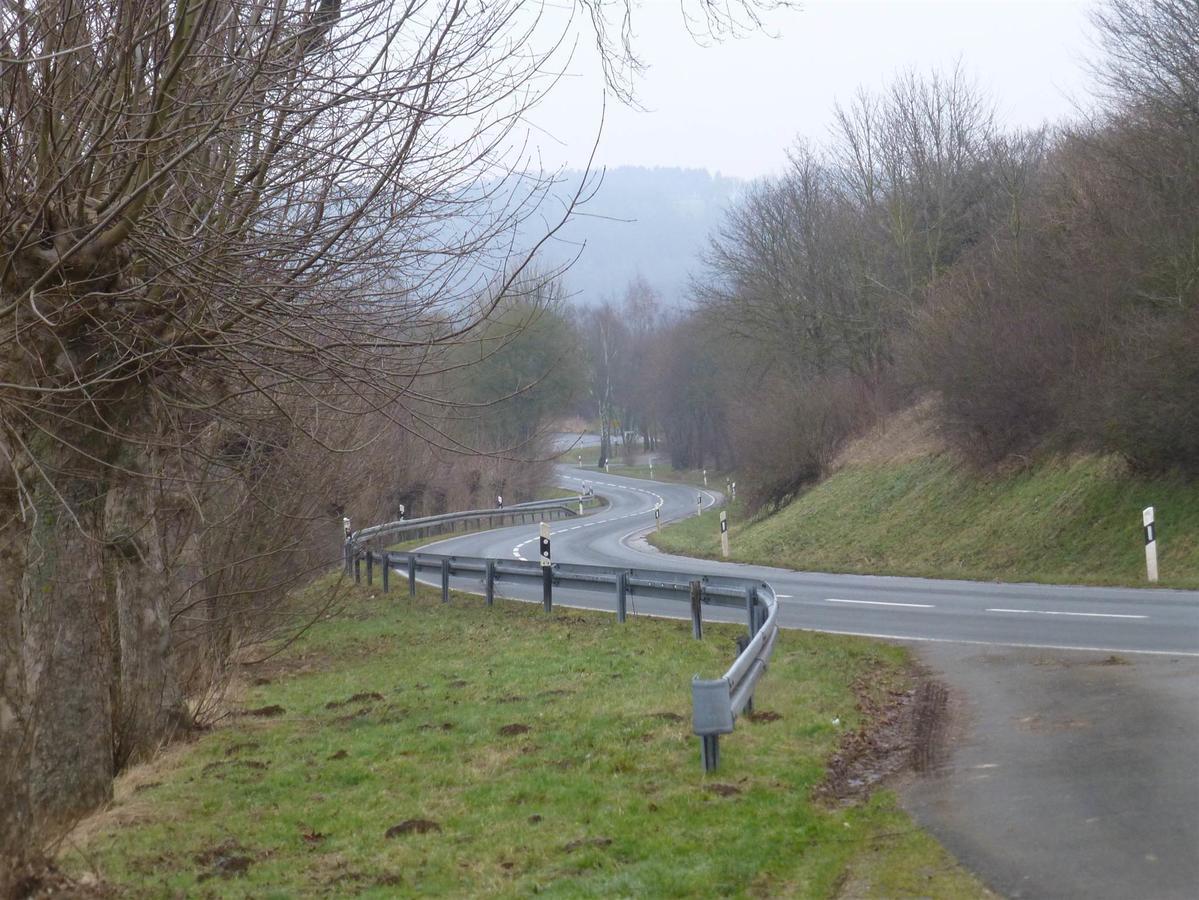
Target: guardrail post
743, 642
386, 572
749, 610
411, 574
697, 619
347, 552
710, 751
357, 568
370, 567
489, 580
445, 579
622, 595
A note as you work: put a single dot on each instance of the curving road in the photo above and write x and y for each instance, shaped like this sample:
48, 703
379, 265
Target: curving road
1112, 620
1075, 772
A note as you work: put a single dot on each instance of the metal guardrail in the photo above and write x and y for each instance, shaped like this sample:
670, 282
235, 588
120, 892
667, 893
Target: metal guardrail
429, 525
715, 703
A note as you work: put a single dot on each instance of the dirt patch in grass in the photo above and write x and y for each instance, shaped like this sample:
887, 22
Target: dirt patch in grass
667, 716
44, 880
761, 716
586, 842
514, 728
266, 712
724, 790
904, 730
413, 826
224, 860
363, 697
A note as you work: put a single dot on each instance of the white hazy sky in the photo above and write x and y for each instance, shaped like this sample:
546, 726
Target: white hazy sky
735, 107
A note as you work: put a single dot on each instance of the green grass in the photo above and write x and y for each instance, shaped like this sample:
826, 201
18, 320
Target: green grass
603, 795
1063, 521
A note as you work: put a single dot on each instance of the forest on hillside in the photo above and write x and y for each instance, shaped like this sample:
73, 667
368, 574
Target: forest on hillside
1040, 289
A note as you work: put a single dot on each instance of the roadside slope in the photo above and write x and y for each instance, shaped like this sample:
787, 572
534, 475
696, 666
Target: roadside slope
409, 747
901, 507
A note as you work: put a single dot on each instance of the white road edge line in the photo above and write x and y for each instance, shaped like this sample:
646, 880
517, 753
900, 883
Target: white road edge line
880, 603
1046, 612
868, 634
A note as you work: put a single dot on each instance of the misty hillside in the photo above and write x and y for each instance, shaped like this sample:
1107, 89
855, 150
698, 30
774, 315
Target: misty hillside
649, 221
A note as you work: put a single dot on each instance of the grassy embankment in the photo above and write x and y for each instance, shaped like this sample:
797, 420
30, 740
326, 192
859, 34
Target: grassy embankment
406, 747
1072, 520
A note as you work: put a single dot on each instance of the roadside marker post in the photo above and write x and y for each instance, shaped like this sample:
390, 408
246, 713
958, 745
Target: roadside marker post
651, 468
547, 572
580, 460
622, 595
705, 477
724, 533
657, 518
699, 504
1150, 542
734, 490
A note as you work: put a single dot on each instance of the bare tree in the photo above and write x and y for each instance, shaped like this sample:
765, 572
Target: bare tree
225, 227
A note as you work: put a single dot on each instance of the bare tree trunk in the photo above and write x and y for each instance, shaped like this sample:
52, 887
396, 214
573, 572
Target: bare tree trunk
148, 705
14, 700
69, 638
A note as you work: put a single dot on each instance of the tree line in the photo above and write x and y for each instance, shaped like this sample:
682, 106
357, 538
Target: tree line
1039, 287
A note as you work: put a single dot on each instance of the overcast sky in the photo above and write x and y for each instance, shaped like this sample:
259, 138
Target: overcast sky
735, 107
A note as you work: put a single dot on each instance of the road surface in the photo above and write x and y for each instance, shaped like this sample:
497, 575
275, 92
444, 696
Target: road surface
1076, 773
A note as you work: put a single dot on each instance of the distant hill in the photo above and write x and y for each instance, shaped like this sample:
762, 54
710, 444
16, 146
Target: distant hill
652, 222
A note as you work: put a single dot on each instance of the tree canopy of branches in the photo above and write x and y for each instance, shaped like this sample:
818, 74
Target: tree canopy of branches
234, 236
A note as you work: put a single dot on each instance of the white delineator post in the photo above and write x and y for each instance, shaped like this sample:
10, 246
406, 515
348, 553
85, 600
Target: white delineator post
724, 533
699, 504
547, 577
1150, 542
658, 518
705, 477
651, 467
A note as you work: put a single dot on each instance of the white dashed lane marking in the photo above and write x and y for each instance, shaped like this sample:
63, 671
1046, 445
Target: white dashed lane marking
880, 603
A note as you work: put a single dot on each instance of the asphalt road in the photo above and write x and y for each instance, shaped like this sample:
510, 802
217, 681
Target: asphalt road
1076, 768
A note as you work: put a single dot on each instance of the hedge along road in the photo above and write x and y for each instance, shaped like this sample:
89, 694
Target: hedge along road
1076, 709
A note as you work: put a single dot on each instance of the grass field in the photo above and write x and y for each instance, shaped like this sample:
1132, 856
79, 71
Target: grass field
1070, 521
408, 748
